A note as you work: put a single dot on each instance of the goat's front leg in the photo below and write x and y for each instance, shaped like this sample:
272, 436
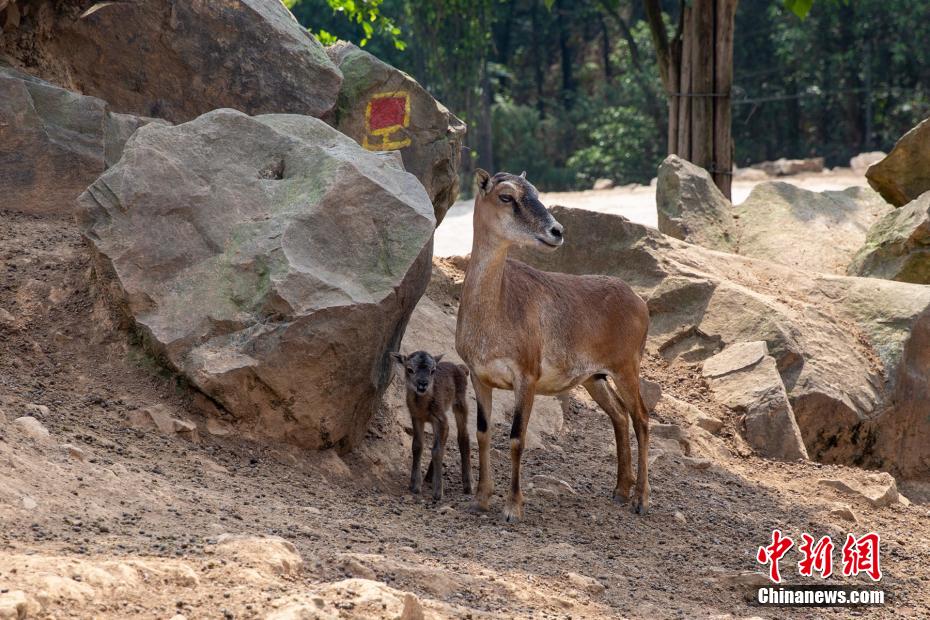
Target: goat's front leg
524, 392
485, 483
415, 476
440, 432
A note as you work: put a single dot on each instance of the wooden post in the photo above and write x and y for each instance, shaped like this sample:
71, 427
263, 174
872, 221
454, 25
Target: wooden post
697, 71
723, 84
684, 86
702, 84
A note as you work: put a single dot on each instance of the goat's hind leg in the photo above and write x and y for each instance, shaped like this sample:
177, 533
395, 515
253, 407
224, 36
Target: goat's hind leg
628, 387
608, 400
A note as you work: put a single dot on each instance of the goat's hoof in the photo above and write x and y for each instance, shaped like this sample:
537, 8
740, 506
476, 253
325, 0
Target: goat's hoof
513, 513
476, 508
415, 490
640, 505
466, 488
621, 497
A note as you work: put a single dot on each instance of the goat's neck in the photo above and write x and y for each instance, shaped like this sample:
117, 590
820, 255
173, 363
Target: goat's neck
484, 278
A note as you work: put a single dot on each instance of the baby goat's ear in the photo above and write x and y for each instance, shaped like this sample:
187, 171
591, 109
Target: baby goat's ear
437, 358
397, 357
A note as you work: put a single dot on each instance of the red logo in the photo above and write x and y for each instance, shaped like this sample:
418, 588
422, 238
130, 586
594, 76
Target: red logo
773, 553
860, 555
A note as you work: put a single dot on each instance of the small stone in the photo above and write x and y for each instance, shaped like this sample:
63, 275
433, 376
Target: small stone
680, 517
32, 428
550, 483
844, 512
710, 424
74, 452
37, 411
413, 610
15, 604
29, 503
879, 489
218, 427
186, 430
586, 584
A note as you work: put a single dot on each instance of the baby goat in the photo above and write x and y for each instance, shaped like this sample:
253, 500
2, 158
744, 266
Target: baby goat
432, 387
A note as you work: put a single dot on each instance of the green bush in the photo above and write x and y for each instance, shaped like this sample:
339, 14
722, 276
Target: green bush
622, 147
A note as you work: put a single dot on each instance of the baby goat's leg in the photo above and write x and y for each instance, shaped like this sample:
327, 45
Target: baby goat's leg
440, 433
460, 408
415, 479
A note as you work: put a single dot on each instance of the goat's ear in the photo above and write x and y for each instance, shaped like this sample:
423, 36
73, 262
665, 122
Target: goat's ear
438, 358
397, 357
484, 181
523, 174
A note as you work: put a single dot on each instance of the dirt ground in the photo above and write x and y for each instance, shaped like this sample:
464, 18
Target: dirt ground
101, 519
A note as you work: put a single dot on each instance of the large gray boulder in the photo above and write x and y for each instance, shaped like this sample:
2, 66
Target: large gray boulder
691, 207
745, 378
898, 245
816, 231
385, 109
904, 174
176, 60
850, 351
55, 143
780, 222
270, 260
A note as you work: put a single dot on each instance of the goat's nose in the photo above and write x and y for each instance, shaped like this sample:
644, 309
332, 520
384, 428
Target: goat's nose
556, 230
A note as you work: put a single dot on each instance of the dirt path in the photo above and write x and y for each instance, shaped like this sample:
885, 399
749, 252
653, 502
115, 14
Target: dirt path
128, 523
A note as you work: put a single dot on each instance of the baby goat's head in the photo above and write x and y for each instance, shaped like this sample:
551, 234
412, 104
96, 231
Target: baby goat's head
419, 368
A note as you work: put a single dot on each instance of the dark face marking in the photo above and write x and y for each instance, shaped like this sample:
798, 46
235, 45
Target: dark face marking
420, 367
528, 211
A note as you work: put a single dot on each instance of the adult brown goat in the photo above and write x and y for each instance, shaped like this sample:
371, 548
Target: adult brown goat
536, 332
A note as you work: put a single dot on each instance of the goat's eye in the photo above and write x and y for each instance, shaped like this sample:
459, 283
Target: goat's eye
506, 198
410, 371
432, 371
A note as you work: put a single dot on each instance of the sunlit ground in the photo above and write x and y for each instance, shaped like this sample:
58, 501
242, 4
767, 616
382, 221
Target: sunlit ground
454, 235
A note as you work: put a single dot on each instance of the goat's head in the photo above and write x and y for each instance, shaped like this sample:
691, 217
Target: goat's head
419, 368
507, 206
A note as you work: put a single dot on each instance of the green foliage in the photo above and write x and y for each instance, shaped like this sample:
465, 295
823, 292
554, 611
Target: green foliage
851, 77
366, 15
799, 7
623, 147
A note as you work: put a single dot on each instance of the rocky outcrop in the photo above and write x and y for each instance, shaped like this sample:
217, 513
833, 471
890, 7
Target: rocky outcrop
270, 260
55, 143
691, 208
778, 221
745, 378
384, 109
850, 351
898, 245
816, 231
905, 173
176, 60
786, 167
861, 162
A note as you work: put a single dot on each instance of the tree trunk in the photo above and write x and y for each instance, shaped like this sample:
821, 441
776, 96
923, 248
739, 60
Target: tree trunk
697, 70
485, 129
